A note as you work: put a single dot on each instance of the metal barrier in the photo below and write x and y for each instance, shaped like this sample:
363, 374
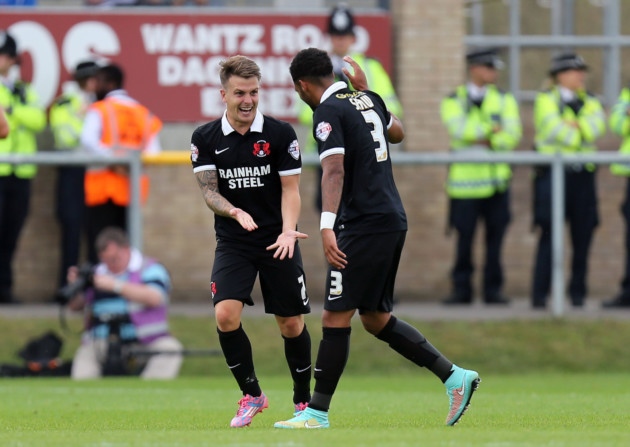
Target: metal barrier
557, 162
131, 159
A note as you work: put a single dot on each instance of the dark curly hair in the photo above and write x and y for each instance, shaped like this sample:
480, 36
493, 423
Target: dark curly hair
312, 64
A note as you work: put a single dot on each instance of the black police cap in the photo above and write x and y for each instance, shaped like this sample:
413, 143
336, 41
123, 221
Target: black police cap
484, 56
340, 21
565, 62
7, 44
85, 69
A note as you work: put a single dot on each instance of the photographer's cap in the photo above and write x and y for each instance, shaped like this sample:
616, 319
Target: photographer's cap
341, 21
565, 62
8, 45
488, 57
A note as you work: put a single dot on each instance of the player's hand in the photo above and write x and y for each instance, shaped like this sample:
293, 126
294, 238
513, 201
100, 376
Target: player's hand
285, 244
358, 80
244, 219
334, 256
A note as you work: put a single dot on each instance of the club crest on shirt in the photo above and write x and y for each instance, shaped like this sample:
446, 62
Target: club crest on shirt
194, 152
294, 149
261, 148
322, 130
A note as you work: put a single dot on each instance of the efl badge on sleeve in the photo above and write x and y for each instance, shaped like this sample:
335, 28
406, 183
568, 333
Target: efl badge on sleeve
194, 153
322, 131
294, 149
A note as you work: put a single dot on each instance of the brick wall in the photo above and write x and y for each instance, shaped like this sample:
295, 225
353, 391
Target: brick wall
429, 55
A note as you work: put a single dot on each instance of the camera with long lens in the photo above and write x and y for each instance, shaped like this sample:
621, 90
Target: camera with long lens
84, 280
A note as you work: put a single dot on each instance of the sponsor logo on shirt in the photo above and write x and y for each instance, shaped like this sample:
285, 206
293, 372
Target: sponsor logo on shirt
322, 131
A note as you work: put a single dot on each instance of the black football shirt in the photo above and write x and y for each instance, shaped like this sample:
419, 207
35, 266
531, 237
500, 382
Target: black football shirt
355, 124
248, 168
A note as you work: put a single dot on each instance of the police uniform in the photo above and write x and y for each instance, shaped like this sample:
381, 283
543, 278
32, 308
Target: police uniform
554, 111
472, 115
26, 118
249, 168
341, 22
619, 123
371, 220
66, 121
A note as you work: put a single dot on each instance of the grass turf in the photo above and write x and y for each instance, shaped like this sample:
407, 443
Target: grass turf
553, 410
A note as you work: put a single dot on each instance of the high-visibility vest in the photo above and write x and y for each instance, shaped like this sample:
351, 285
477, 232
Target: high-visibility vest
125, 126
552, 122
619, 123
466, 124
66, 120
26, 120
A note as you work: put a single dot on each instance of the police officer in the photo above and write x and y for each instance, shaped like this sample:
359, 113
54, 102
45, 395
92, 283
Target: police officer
567, 119
480, 117
340, 28
620, 124
66, 121
26, 118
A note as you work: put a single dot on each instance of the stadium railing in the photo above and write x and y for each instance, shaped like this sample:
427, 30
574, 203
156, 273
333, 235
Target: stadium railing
557, 163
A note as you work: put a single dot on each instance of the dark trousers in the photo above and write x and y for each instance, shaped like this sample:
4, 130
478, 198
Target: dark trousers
100, 217
582, 216
15, 194
464, 215
625, 211
70, 195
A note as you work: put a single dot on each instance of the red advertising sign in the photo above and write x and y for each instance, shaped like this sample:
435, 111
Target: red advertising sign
171, 59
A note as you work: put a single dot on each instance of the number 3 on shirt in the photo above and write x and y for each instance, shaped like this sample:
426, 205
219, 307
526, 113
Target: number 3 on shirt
371, 117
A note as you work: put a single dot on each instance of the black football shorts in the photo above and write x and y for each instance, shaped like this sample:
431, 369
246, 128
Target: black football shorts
282, 283
367, 282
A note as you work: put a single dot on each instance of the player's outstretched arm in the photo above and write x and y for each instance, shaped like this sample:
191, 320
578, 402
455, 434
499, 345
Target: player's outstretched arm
208, 184
290, 207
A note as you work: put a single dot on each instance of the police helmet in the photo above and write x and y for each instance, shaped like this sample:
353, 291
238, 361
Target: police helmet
341, 21
7, 44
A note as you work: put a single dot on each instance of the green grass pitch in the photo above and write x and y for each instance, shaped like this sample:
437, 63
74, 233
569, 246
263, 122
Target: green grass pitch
552, 409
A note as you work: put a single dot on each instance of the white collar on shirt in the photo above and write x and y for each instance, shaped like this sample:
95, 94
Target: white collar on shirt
566, 94
257, 124
332, 89
135, 263
475, 92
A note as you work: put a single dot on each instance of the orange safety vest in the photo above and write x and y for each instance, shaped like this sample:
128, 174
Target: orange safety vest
126, 126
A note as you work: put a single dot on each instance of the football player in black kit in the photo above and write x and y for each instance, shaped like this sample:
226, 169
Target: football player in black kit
352, 129
248, 168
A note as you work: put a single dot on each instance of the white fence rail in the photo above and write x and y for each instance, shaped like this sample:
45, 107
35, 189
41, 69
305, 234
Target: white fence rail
557, 162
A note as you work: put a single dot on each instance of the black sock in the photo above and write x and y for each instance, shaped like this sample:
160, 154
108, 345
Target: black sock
297, 350
331, 361
238, 355
411, 344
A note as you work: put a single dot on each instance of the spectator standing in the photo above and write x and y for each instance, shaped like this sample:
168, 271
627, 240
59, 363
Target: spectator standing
569, 120
620, 125
363, 247
66, 121
248, 168
481, 118
26, 118
129, 296
114, 124
341, 31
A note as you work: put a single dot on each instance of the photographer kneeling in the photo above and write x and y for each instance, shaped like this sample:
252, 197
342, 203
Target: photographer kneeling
125, 301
